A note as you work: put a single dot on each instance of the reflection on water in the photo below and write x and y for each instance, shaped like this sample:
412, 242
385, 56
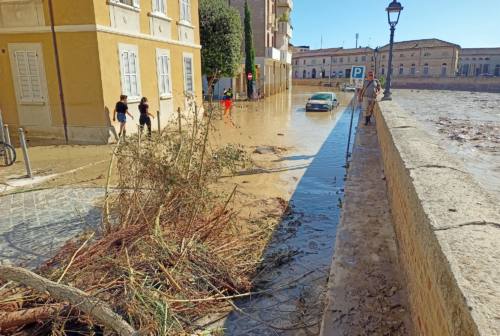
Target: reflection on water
297, 261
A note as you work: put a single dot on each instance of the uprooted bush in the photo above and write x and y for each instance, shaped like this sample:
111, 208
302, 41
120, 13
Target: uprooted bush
169, 249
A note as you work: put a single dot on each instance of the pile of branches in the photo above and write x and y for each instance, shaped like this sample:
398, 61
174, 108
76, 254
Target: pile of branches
169, 251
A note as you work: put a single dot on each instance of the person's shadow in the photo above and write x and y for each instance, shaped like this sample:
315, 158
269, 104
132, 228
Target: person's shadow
107, 117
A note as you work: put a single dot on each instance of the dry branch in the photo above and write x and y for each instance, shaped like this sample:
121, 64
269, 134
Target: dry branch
90, 305
26, 316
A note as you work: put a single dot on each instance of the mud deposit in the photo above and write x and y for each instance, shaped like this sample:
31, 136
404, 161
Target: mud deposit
466, 124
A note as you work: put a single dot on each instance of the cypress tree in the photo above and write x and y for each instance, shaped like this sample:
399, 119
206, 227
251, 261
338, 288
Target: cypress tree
249, 50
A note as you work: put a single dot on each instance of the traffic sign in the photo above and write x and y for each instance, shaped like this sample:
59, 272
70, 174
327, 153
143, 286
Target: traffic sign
358, 76
358, 72
250, 76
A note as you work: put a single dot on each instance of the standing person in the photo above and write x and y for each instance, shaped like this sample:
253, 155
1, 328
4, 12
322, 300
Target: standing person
145, 116
120, 112
228, 102
368, 96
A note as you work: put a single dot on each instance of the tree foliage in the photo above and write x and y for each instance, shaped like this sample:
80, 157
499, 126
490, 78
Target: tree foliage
249, 49
221, 35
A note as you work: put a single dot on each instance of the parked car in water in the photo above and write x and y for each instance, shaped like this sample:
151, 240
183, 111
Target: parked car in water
349, 88
322, 102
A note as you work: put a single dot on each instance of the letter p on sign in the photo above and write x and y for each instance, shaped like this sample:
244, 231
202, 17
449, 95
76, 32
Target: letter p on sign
358, 72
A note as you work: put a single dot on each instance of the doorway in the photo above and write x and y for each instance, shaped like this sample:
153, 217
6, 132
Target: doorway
28, 72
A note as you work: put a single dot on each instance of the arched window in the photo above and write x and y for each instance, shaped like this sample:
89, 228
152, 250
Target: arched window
296, 74
426, 69
383, 70
313, 73
304, 74
401, 69
413, 69
444, 69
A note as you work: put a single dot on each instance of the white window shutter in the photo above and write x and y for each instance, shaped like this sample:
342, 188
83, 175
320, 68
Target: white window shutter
167, 74
136, 3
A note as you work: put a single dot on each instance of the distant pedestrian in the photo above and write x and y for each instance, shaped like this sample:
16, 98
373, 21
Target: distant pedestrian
368, 96
145, 116
228, 103
120, 113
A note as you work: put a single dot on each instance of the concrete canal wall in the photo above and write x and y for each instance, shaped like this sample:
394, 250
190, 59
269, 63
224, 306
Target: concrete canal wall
447, 230
479, 84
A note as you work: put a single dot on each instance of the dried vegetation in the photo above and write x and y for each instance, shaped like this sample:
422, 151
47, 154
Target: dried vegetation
169, 252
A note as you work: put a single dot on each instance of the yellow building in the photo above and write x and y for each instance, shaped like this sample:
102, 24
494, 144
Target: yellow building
64, 63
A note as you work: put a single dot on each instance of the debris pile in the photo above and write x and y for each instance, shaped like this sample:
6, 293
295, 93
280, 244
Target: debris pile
169, 251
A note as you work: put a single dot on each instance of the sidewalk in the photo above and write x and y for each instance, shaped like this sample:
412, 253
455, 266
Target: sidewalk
366, 295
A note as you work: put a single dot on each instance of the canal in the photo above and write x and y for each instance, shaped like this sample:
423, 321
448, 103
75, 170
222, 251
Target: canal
310, 173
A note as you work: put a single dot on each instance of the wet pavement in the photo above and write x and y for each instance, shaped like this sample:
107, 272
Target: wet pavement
35, 224
297, 261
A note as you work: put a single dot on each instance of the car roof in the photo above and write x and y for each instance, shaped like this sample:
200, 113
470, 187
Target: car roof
315, 93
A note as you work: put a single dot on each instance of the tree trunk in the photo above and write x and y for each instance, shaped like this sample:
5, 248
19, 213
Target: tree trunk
92, 306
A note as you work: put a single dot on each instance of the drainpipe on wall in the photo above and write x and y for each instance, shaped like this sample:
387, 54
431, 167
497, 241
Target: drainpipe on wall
58, 70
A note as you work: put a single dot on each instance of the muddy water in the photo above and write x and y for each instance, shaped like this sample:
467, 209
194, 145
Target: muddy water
310, 173
466, 124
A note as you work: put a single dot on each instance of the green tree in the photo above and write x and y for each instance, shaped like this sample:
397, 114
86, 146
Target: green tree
249, 50
221, 35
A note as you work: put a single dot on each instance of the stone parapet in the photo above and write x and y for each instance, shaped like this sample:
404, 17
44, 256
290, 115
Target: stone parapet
481, 84
447, 229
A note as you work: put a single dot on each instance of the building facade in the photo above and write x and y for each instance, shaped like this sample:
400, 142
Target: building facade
475, 62
331, 63
420, 58
272, 31
64, 64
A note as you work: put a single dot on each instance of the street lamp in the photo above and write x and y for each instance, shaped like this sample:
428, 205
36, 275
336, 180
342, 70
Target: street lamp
393, 13
375, 57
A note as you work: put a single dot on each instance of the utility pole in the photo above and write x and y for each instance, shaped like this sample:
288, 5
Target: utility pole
357, 37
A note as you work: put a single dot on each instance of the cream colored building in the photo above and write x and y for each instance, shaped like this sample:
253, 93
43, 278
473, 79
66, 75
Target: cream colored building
420, 58
476, 62
272, 32
64, 63
331, 62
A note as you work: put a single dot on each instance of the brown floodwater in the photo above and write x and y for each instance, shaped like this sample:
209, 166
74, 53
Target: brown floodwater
303, 161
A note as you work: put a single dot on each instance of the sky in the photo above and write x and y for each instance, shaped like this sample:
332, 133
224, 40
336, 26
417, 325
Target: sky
469, 23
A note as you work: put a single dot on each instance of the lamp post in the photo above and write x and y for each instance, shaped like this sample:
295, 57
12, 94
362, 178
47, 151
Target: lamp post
375, 57
393, 12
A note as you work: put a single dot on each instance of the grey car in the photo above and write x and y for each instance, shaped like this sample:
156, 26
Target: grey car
322, 102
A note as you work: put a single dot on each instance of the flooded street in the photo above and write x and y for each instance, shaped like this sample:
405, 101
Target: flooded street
300, 158
466, 124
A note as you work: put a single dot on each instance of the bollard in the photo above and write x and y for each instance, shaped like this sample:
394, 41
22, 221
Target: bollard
139, 136
158, 120
2, 134
6, 136
24, 147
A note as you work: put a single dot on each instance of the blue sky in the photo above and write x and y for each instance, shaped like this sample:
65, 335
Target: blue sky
469, 23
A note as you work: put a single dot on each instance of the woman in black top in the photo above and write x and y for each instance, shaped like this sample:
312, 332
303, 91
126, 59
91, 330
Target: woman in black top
121, 111
145, 115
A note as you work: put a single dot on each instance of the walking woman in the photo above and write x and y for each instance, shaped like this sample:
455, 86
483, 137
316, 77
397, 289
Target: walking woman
145, 116
120, 112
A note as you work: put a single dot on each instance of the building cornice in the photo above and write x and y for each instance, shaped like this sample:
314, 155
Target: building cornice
93, 28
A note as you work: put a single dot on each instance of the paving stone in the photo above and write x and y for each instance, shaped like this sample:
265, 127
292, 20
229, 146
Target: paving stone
33, 225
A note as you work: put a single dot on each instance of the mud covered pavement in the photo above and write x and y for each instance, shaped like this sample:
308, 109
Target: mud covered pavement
466, 124
366, 294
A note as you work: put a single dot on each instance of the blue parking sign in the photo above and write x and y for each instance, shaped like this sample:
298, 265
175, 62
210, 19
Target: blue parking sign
358, 72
